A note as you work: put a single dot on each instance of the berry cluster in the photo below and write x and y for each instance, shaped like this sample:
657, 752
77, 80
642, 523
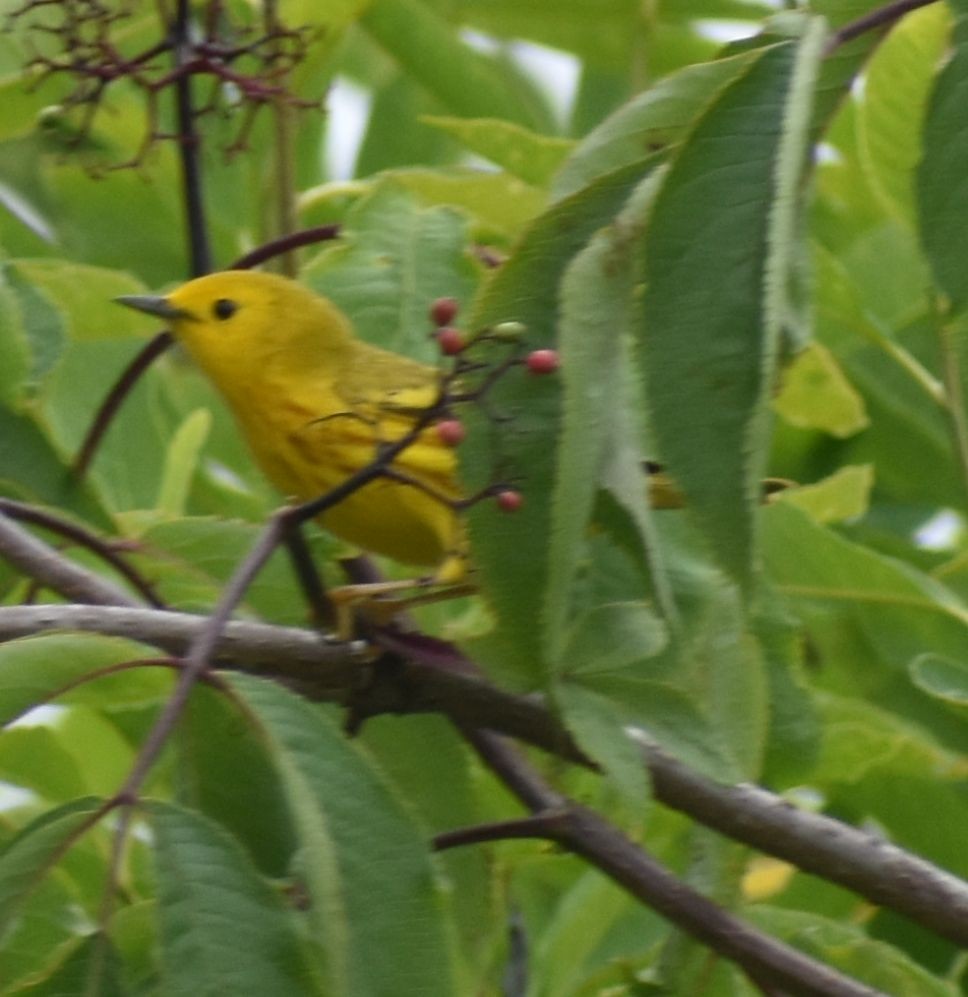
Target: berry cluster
452, 342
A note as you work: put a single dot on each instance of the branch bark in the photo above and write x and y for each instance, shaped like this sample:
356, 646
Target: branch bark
326, 670
766, 961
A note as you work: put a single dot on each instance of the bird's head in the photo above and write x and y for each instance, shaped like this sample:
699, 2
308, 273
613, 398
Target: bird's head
236, 319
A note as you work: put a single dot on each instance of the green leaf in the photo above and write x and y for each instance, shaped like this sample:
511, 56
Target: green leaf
394, 259
943, 678
84, 296
942, 178
14, 353
28, 858
32, 469
43, 326
596, 724
654, 119
499, 204
817, 395
862, 605
511, 551
717, 265
845, 494
224, 772
466, 82
595, 29
861, 740
611, 636
526, 155
599, 445
847, 948
36, 758
181, 462
191, 559
90, 967
889, 118
34, 670
364, 863
223, 927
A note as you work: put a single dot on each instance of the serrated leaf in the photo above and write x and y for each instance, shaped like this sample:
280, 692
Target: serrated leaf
816, 395
597, 725
394, 259
192, 558
43, 327
364, 861
652, 120
511, 552
717, 267
525, 154
598, 445
610, 637
36, 758
216, 745
499, 204
223, 927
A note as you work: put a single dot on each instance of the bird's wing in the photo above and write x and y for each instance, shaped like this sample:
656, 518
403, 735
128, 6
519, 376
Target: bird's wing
379, 396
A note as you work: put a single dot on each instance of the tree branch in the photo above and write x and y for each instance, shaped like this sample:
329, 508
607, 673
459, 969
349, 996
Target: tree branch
41, 562
584, 832
83, 538
326, 670
877, 18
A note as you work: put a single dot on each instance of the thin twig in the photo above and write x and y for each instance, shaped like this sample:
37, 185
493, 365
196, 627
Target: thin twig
285, 244
585, 833
41, 562
189, 145
116, 396
538, 825
879, 18
25, 513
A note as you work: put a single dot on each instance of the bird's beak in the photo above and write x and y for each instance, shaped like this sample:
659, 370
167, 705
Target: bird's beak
153, 305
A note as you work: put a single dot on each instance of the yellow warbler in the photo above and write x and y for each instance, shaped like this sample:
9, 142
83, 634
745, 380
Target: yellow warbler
315, 403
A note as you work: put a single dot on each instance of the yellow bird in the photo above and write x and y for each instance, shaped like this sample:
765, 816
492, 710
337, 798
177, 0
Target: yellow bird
315, 404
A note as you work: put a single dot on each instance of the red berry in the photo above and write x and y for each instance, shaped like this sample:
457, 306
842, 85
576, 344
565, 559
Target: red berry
509, 500
543, 361
450, 341
444, 310
451, 432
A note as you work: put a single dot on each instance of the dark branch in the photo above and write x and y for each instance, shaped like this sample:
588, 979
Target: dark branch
879, 18
584, 832
83, 538
116, 396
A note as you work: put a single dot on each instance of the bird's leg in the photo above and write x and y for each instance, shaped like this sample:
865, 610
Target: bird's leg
379, 602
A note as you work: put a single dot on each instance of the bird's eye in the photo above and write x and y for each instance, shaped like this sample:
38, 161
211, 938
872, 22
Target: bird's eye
224, 308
